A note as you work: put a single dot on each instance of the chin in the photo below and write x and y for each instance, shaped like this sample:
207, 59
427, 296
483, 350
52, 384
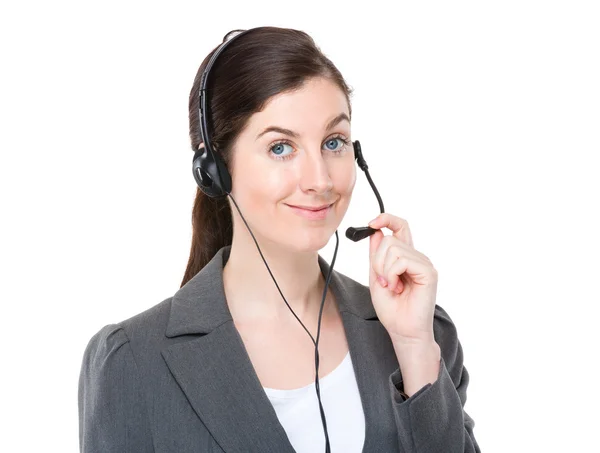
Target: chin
311, 240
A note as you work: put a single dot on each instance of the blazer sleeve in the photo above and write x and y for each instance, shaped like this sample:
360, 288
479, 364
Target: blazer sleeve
112, 411
433, 419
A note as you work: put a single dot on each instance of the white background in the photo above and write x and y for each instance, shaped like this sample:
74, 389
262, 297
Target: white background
480, 122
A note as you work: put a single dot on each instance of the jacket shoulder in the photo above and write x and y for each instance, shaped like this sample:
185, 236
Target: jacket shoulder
112, 409
145, 327
149, 321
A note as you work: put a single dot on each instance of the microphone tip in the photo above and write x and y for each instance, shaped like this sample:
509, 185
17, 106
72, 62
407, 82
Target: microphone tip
360, 233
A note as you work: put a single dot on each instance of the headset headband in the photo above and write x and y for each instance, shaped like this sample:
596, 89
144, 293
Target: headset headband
210, 171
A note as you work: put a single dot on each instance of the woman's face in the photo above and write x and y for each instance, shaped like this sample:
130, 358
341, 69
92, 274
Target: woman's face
309, 165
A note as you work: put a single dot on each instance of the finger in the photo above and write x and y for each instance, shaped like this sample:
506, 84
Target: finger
374, 243
397, 225
396, 250
379, 253
394, 283
398, 247
387, 248
392, 255
416, 271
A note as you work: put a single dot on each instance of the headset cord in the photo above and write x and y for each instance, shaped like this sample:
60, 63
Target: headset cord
316, 343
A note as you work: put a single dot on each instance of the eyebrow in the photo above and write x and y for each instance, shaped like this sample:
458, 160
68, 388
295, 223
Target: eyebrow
338, 119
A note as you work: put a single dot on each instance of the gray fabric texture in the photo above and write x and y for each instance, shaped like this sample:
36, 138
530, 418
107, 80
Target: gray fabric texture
177, 378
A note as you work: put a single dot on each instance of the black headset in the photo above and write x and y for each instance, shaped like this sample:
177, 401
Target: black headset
214, 179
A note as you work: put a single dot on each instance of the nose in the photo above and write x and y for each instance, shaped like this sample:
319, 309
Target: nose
314, 173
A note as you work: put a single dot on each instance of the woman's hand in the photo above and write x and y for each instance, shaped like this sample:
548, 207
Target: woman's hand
405, 293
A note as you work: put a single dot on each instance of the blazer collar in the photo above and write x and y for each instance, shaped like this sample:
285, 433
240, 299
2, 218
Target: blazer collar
200, 305
215, 372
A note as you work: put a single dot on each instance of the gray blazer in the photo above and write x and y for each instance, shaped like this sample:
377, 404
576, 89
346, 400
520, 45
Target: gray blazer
177, 378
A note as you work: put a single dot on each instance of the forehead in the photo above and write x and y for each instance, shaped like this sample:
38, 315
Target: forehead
307, 108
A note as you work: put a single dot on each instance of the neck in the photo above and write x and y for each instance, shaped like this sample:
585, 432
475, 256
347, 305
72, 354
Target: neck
251, 292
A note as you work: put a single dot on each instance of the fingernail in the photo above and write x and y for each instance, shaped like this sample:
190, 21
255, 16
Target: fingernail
382, 281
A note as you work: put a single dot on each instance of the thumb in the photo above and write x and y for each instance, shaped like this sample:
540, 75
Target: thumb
374, 241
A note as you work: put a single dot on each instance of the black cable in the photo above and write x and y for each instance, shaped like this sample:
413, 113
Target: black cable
316, 343
379, 200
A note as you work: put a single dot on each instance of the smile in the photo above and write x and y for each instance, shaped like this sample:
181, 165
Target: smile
312, 214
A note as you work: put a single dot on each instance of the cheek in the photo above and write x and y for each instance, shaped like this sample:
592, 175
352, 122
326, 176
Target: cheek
276, 183
261, 187
345, 179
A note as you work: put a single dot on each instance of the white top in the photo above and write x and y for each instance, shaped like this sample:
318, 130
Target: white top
298, 412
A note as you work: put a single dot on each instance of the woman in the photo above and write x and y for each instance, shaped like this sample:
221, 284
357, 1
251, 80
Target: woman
224, 365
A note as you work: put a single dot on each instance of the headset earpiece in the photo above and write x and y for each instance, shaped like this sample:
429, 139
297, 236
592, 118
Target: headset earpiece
362, 163
211, 174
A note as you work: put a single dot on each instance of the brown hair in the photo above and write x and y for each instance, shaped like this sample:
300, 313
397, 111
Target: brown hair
262, 63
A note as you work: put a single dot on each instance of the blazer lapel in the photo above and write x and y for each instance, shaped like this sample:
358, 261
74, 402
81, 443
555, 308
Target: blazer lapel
373, 359
213, 368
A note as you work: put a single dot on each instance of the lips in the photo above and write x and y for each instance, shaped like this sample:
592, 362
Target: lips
311, 208
312, 213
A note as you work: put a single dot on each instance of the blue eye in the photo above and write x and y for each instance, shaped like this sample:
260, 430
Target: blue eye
342, 141
333, 140
277, 148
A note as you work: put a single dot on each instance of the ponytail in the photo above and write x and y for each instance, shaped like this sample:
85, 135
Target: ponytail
212, 229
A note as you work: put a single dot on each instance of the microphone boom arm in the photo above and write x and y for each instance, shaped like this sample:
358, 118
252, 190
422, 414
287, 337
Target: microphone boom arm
358, 234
